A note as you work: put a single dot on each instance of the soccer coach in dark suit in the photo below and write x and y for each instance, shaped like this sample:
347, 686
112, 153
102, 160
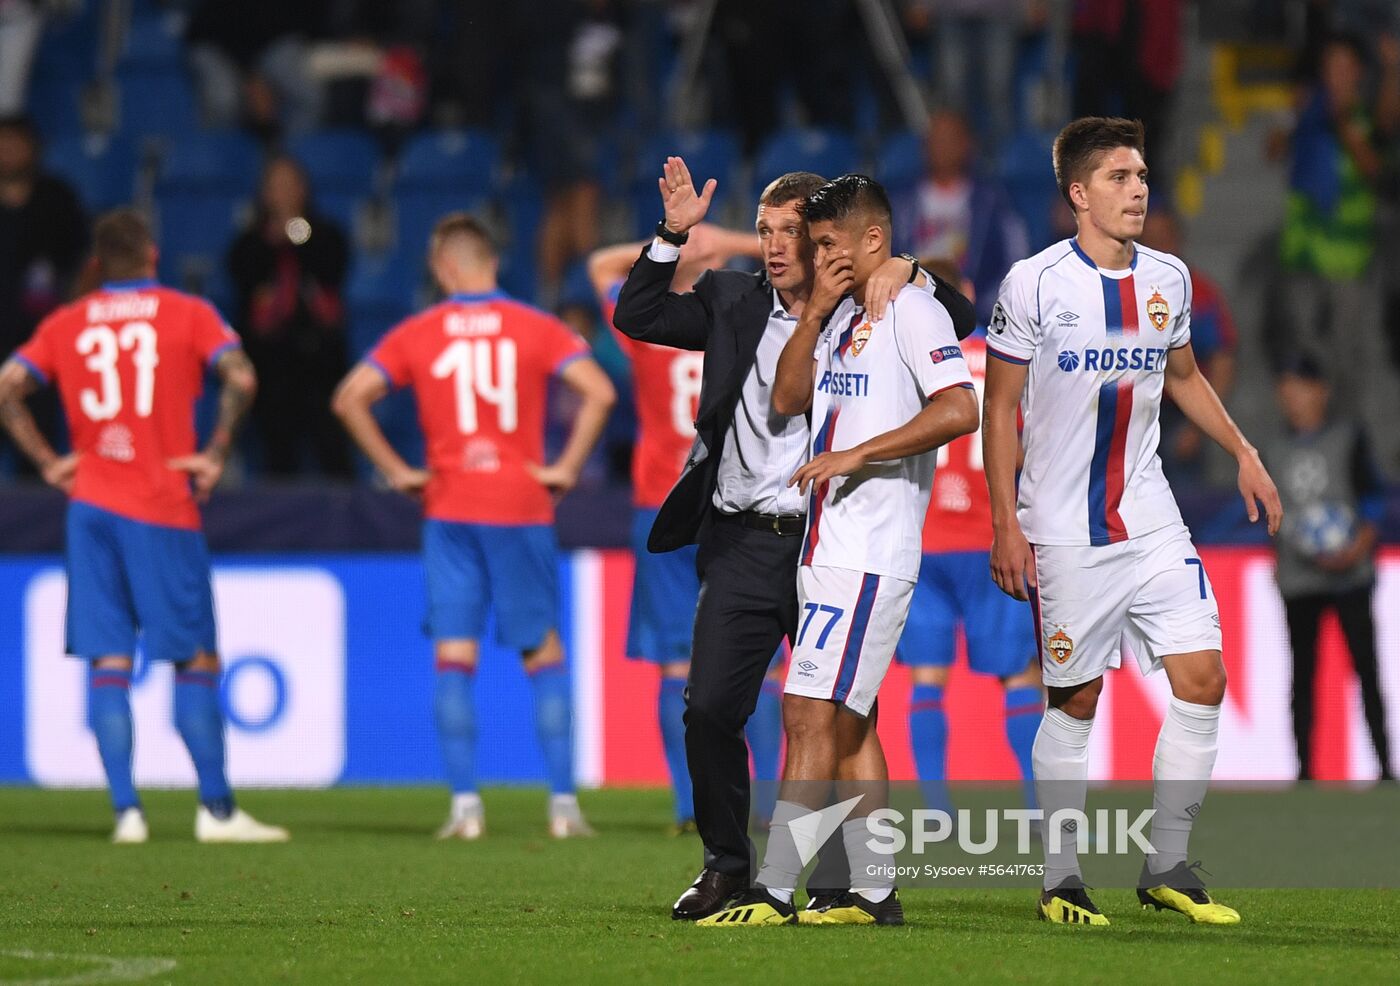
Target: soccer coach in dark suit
733, 498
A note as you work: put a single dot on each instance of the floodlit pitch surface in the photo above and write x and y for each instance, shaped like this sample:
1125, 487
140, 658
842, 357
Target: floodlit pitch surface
363, 894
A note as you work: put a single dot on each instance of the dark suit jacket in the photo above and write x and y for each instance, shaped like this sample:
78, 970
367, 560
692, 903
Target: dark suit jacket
724, 317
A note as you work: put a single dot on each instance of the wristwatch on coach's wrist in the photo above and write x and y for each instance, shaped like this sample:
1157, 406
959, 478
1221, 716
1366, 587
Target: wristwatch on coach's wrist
664, 232
913, 260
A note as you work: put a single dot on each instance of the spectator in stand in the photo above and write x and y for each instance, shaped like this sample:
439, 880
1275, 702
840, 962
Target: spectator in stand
1213, 340
1331, 295
250, 61
21, 23
961, 215
1333, 502
43, 237
288, 269
1128, 56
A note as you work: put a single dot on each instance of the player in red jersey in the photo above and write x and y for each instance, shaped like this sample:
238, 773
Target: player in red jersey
129, 361
480, 364
953, 591
665, 587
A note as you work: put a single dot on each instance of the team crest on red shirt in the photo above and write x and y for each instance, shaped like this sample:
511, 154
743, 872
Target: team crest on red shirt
860, 337
1158, 311
1060, 646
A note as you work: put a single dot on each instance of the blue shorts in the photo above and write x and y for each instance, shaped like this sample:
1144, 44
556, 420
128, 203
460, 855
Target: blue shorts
126, 577
664, 592
957, 588
475, 568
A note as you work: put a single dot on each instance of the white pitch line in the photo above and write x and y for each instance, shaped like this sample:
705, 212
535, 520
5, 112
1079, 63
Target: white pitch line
109, 969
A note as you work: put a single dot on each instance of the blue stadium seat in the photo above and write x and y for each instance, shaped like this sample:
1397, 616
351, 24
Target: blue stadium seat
1029, 176
899, 164
829, 153
101, 168
338, 161
460, 161
219, 161
707, 153
524, 210
417, 211
380, 291
55, 104
153, 41
195, 229
156, 101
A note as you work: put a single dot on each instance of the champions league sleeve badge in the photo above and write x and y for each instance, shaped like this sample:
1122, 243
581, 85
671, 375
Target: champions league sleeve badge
998, 318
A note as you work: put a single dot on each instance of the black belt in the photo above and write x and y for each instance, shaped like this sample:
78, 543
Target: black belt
787, 525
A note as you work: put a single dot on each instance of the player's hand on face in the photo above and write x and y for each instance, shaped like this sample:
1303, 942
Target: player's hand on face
557, 479
410, 482
205, 471
1256, 487
836, 278
684, 206
887, 281
60, 472
1013, 564
826, 466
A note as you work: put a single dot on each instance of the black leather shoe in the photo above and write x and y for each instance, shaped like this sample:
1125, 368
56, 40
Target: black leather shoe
707, 895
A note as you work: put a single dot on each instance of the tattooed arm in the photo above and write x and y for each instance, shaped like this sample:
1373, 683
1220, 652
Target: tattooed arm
240, 385
17, 383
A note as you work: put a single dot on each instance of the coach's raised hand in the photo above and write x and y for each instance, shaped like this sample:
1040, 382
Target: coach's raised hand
684, 206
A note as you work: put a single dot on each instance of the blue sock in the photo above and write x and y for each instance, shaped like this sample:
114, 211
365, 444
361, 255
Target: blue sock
201, 724
1024, 708
454, 711
554, 724
928, 734
764, 731
109, 718
670, 708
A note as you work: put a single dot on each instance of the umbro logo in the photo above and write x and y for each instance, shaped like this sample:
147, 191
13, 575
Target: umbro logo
1067, 317
807, 666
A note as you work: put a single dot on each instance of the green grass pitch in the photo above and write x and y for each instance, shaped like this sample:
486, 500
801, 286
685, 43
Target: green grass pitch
364, 895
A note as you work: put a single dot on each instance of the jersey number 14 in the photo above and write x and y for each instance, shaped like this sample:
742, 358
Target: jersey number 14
469, 363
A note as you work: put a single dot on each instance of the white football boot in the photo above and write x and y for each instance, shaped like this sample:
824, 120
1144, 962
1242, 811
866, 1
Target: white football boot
131, 828
238, 827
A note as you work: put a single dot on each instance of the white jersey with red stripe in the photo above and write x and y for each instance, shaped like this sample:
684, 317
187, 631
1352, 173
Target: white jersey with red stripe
1095, 343
873, 377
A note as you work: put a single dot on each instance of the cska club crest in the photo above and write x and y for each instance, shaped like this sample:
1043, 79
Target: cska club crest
1158, 311
1060, 645
860, 337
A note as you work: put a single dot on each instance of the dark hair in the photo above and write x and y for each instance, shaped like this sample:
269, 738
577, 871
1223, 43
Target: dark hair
23, 123
1080, 145
847, 196
463, 225
121, 242
795, 186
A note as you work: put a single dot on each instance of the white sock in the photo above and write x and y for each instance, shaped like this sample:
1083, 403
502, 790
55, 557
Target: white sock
855, 833
465, 803
782, 865
784, 894
563, 804
1060, 759
1181, 769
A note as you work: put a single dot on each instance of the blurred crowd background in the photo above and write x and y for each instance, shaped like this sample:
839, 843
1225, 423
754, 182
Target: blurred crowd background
295, 153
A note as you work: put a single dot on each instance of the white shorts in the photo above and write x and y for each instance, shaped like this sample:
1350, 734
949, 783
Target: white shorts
1150, 592
848, 625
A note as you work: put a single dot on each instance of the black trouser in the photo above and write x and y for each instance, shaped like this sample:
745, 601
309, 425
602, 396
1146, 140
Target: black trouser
1354, 613
748, 604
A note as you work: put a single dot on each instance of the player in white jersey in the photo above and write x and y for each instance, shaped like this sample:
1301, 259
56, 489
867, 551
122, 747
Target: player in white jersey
1086, 336
883, 395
